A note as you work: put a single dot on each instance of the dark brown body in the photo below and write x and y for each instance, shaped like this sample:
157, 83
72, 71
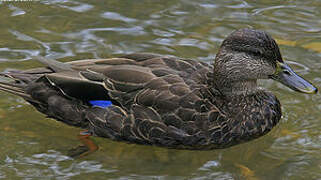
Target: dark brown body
157, 100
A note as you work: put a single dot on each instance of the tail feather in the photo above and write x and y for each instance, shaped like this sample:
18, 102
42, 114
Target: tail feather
21, 77
21, 94
10, 87
16, 87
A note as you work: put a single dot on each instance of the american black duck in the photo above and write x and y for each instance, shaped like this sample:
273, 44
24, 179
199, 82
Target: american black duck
162, 100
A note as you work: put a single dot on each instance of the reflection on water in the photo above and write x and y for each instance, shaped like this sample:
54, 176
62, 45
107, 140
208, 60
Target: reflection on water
32, 146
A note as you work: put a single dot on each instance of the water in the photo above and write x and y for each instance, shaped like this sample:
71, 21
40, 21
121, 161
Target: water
33, 147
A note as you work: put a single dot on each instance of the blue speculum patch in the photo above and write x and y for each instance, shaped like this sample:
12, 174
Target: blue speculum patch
100, 103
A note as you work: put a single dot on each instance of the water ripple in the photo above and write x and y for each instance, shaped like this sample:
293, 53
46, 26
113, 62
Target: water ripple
55, 166
116, 16
16, 11
70, 4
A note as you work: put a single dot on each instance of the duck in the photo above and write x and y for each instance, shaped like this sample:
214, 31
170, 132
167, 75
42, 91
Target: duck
163, 100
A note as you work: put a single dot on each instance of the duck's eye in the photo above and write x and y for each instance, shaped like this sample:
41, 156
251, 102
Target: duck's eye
287, 72
256, 52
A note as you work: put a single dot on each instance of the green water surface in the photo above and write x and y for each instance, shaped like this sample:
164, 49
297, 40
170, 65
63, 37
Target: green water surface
34, 147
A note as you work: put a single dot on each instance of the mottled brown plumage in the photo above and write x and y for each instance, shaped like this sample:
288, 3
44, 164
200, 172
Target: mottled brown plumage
162, 100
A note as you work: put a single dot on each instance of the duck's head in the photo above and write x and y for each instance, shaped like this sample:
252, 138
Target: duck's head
247, 55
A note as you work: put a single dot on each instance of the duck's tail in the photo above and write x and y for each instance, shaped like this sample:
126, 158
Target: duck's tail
16, 83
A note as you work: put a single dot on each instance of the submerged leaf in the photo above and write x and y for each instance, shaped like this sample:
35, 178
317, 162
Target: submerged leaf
247, 173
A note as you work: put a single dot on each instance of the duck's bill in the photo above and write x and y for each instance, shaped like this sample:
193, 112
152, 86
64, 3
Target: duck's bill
288, 77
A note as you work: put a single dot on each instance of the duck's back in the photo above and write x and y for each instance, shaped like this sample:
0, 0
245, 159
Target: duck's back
151, 80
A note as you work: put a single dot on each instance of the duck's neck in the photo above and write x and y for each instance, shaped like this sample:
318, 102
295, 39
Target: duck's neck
234, 75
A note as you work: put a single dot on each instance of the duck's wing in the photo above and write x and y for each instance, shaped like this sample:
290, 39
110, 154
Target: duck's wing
126, 80
122, 79
132, 78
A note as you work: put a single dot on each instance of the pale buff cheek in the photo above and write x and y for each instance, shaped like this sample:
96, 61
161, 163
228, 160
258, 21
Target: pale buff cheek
266, 70
255, 69
244, 68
